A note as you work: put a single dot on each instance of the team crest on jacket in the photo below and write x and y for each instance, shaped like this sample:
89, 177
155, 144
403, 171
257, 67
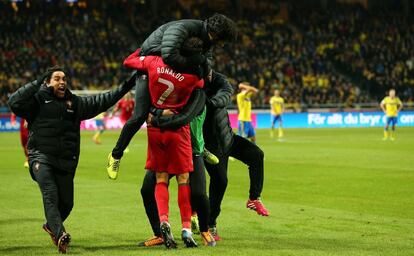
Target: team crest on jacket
69, 104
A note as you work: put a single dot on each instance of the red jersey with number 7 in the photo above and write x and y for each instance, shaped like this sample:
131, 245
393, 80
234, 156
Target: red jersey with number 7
168, 89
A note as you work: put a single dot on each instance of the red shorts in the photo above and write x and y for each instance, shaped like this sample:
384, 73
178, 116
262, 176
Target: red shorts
169, 150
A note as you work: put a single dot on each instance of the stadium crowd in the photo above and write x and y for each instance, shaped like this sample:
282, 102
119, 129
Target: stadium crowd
85, 41
374, 46
319, 56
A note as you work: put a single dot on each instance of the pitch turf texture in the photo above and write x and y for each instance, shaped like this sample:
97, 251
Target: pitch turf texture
329, 192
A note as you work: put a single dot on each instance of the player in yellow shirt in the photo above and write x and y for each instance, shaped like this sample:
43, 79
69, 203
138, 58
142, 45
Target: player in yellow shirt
277, 107
100, 127
244, 105
391, 106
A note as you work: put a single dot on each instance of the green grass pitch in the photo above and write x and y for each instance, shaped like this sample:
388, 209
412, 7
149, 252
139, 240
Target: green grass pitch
329, 192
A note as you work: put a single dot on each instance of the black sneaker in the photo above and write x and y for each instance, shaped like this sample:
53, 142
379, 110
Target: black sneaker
167, 235
63, 243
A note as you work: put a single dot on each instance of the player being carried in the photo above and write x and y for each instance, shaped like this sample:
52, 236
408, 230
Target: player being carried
169, 150
391, 105
166, 41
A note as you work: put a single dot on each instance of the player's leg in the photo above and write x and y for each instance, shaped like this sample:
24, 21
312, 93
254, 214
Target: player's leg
184, 203
393, 124
141, 109
197, 139
251, 133
280, 131
64, 181
217, 188
162, 199
273, 126
142, 105
240, 128
199, 200
251, 155
150, 205
198, 150
123, 122
387, 124
44, 175
99, 130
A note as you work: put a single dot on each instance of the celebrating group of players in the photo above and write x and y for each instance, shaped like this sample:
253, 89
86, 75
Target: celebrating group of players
176, 141
183, 100
178, 94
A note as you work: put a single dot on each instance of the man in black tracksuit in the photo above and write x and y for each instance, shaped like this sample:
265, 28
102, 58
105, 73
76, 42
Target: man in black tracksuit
54, 115
220, 138
224, 143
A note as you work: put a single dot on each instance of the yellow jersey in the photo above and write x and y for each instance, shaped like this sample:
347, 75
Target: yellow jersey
276, 105
244, 105
391, 106
100, 116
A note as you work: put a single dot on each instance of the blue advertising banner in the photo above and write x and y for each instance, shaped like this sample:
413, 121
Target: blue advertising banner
262, 119
7, 126
340, 119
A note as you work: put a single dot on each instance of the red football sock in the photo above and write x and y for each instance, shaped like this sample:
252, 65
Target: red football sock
184, 203
162, 198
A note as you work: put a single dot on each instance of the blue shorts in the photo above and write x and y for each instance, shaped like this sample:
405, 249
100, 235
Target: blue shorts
99, 122
276, 118
246, 129
391, 120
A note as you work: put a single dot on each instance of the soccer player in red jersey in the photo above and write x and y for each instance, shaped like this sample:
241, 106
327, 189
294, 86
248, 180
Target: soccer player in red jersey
24, 135
126, 106
169, 151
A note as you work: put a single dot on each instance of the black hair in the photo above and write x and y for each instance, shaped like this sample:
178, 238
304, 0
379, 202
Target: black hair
192, 46
53, 69
222, 27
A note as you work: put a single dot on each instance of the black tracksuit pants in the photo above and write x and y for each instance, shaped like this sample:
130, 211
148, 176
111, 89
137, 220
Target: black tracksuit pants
56, 187
199, 199
141, 110
248, 153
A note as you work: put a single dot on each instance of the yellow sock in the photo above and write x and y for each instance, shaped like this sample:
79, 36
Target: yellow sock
392, 135
96, 137
280, 132
385, 134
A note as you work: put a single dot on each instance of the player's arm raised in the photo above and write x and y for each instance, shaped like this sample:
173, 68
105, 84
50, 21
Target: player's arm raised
22, 102
91, 106
135, 61
248, 87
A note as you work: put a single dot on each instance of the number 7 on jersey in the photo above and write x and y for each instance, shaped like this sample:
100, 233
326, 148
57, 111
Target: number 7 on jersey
167, 92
